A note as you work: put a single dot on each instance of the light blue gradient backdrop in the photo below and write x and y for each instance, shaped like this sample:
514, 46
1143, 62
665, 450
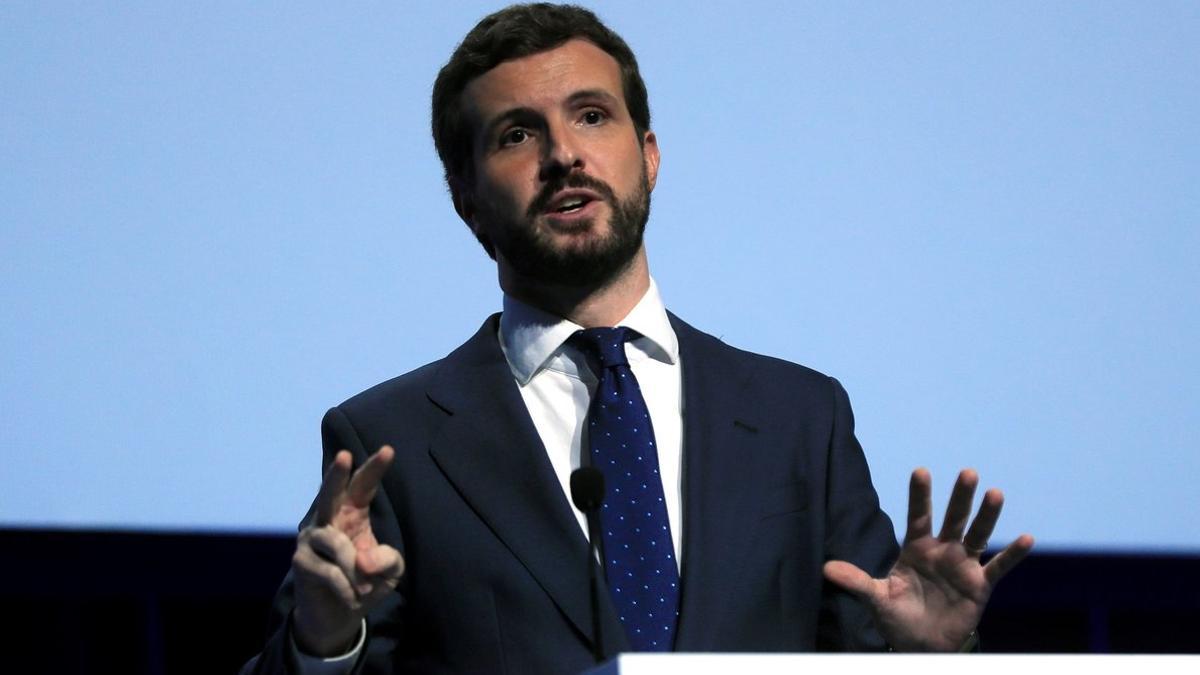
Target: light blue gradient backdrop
220, 219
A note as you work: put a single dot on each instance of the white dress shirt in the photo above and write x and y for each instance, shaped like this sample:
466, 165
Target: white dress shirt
556, 384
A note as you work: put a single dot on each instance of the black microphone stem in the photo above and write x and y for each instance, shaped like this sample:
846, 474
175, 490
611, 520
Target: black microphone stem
593, 520
587, 492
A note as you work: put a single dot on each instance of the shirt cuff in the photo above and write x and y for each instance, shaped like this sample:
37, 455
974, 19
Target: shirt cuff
307, 664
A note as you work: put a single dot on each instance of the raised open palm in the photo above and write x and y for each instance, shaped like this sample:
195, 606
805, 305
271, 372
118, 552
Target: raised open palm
934, 595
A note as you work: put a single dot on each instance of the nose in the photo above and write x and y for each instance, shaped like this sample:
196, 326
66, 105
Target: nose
562, 155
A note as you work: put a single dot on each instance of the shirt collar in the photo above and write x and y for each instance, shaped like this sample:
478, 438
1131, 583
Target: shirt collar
530, 337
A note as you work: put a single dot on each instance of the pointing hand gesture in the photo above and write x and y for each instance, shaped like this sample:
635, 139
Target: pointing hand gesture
935, 594
341, 571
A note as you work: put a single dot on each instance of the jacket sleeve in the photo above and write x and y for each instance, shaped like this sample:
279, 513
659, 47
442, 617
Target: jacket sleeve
857, 531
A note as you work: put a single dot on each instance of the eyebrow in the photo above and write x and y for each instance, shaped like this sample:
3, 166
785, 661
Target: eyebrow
594, 94
506, 116
574, 99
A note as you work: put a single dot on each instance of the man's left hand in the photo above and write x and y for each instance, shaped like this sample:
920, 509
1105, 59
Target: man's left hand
935, 594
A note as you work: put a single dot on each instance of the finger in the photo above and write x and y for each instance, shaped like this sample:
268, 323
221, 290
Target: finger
313, 569
1003, 562
850, 578
365, 481
959, 508
976, 540
331, 544
385, 566
333, 486
920, 505
381, 563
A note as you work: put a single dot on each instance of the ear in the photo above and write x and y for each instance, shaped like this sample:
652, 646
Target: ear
651, 157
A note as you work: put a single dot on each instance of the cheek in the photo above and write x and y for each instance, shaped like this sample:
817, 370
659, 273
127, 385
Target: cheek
510, 183
502, 200
629, 173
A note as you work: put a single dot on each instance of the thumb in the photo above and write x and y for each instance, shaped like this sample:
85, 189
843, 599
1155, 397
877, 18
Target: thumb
850, 578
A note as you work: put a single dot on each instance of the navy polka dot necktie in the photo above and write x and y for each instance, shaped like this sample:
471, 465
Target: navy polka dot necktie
639, 557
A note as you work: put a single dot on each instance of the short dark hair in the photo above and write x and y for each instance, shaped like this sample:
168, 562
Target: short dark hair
511, 33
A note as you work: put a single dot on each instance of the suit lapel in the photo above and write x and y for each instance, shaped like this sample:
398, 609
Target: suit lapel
720, 474
490, 450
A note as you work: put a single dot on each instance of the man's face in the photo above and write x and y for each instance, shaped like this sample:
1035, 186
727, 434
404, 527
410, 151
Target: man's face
561, 182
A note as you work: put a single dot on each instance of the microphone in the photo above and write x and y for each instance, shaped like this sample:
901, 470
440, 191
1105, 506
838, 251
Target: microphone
587, 491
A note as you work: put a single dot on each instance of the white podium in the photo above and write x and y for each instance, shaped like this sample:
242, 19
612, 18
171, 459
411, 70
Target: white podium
896, 664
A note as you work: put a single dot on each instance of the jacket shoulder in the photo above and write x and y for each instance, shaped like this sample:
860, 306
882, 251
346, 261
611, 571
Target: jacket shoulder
401, 387
745, 365
401, 392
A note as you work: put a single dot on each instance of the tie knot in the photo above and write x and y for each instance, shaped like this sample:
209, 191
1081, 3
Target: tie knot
604, 346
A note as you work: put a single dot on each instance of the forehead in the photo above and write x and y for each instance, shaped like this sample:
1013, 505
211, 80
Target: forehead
543, 80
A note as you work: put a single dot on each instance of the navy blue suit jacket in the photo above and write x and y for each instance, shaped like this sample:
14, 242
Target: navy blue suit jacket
774, 485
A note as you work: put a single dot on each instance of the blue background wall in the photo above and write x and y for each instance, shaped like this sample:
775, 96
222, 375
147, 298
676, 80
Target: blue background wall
219, 220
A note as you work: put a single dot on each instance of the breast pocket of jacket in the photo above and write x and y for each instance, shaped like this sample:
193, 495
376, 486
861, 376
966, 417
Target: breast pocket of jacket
784, 500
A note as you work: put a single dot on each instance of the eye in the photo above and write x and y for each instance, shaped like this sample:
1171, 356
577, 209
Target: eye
593, 117
514, 136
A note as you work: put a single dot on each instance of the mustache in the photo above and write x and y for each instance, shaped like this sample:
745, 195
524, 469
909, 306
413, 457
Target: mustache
571, 180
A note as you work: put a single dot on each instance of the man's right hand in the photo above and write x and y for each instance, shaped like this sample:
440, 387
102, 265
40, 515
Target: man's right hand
340, 570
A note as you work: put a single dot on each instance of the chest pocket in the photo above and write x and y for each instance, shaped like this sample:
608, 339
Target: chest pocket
781, 500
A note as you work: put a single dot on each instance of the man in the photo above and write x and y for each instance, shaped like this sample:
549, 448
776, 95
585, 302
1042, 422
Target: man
740, 515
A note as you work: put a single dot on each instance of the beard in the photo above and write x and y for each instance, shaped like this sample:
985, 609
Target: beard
533, 254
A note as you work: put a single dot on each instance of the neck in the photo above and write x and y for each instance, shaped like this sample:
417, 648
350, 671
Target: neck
590, 307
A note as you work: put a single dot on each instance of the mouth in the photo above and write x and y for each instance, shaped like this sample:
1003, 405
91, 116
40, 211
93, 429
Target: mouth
571, 202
